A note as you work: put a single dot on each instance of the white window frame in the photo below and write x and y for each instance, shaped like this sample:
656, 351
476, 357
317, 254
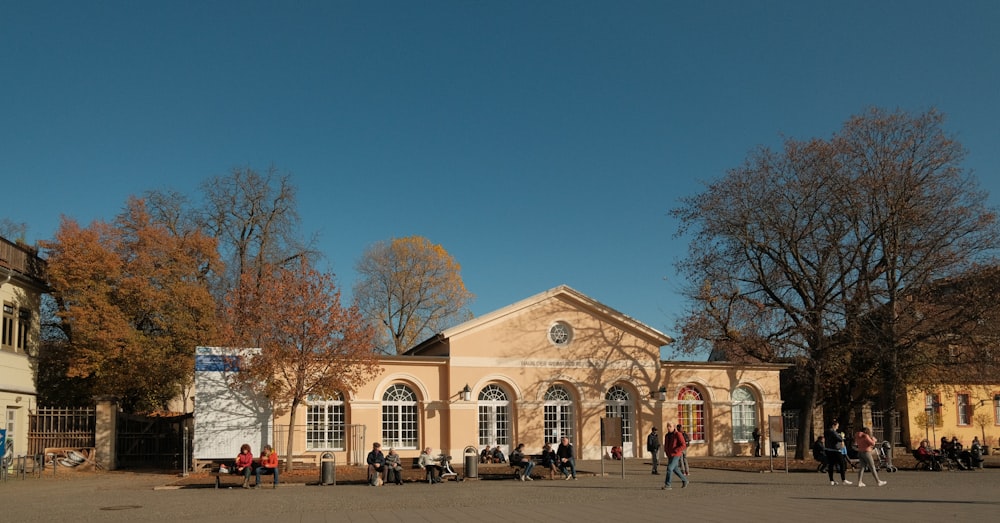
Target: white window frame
325, 423
400, 424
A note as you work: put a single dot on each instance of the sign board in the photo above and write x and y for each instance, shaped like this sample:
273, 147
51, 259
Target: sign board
611, 432
775, 425
226, 415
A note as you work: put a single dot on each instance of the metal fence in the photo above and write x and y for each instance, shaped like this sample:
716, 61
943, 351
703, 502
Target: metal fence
878, 427
68, 427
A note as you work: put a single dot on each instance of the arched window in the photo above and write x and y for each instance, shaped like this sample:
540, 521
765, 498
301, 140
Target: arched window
494, 418
399, 418
744, 414
618, 404
691, 413
325, 423
558, 414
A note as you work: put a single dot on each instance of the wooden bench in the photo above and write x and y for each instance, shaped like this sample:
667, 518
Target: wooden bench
229, 474
518, 468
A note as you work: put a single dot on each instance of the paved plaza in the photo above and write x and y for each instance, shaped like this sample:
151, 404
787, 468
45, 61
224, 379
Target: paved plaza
713, 495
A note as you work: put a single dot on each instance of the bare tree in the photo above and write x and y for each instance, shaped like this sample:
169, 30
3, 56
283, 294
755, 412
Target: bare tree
791, 253
254, 218
410, 289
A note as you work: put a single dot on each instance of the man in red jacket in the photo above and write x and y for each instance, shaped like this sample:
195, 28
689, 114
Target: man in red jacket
673, 448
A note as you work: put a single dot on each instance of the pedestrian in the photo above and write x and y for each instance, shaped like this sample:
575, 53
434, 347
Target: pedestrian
673, 448
865, 442
834, 453
653, 447
756, 442
684, 455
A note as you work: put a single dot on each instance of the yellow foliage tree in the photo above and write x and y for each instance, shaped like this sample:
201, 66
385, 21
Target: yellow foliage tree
410, 289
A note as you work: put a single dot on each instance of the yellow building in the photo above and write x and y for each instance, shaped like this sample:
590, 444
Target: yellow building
548, 366
962, 411
21, 287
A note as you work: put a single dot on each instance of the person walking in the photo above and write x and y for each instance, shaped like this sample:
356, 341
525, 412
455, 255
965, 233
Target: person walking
865, 442
834, 455
684, 454
756, 442
673, 447
653, 447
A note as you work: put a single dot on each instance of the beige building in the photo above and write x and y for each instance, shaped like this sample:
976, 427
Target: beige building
21, 287
551, 365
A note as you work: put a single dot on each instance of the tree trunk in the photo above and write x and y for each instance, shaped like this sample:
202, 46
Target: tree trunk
290, 444
804, 439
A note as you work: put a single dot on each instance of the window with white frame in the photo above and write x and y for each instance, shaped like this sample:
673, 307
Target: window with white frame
963, 408
7, 332
744, 414
558, 414
932, 409
691, 413
325, 423
494, 418
618, 404
23, 324
399, 418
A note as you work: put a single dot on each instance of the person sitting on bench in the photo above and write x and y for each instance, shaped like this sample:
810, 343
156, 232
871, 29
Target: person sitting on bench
428, 463
518, 459
244, 464
268, 465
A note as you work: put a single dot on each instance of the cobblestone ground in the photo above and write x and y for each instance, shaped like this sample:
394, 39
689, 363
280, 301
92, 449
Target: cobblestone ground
713, 495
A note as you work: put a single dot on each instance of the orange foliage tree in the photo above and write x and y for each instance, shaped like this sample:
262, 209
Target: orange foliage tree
132, 300
311, 346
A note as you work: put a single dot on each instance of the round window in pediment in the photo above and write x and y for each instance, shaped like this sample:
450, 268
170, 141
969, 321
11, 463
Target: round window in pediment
560, 334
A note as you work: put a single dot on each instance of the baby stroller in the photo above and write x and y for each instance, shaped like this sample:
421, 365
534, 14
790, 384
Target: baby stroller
446, 470
883, 457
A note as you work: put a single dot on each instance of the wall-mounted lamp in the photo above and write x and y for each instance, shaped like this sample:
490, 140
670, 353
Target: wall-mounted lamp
466, 393
660, 394
996, 400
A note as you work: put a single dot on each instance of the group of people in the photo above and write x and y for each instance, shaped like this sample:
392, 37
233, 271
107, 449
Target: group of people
492, 455
383, 468
268, 465
830, 450
952, 451
675, 443
560, 460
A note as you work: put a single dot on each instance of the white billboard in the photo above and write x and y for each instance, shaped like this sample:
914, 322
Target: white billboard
225, 414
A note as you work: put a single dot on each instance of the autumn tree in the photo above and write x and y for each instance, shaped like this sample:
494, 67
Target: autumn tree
410, 289
310, 344
252, 215
132, 300
796, 253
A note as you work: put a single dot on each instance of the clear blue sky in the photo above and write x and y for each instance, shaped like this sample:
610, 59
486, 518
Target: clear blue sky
540, 142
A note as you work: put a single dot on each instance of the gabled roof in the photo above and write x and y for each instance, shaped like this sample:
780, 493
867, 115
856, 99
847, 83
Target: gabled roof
562, 292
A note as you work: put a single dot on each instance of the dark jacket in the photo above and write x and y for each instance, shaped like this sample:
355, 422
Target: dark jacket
653, 442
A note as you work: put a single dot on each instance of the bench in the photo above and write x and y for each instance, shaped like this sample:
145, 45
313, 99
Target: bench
230, 474
444, 474
518, 468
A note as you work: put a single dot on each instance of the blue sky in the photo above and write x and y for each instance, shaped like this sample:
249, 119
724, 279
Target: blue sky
541, 143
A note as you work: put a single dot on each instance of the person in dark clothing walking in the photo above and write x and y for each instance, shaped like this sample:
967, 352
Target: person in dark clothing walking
756, 442
835, 458
653, 446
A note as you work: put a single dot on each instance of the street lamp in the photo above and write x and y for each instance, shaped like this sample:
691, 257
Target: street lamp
466, 393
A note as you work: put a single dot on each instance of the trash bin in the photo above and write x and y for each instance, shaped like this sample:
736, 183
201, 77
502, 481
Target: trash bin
471, 462
327, 469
